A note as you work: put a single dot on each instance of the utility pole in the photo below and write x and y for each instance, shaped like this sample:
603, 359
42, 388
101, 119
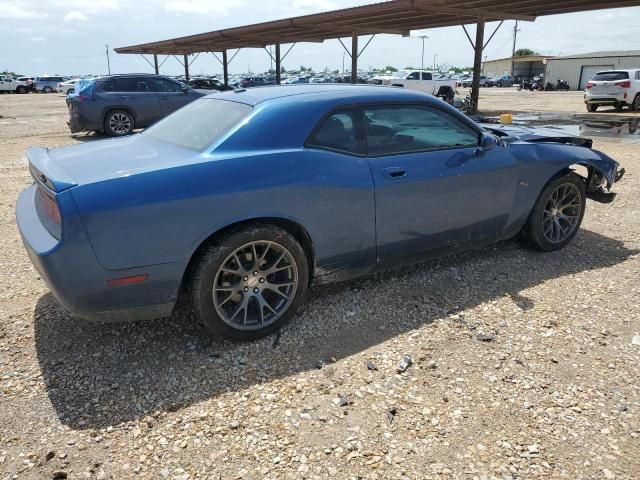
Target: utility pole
435, 57
423, 38
108, 63
513, 54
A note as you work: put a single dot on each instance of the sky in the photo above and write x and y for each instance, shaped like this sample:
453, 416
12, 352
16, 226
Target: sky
69, 36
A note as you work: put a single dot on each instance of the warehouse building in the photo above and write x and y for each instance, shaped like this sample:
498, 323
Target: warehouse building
579, 69
528, 66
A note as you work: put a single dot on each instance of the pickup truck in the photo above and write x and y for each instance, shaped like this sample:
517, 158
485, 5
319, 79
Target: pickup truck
422, 81
8, 84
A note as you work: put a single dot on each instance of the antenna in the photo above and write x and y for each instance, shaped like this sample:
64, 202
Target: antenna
108, 63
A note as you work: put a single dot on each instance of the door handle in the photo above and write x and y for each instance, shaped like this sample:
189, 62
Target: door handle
394, 172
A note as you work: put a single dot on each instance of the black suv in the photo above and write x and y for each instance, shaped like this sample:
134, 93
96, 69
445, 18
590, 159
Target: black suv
117, 104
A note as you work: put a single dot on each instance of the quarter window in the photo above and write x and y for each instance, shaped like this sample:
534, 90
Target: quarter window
403, 129
426, 76
338, 132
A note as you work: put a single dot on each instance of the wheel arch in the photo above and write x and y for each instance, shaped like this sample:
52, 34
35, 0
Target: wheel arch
293, 227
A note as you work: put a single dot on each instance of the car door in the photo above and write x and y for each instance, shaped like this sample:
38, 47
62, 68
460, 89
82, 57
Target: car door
135, 95
172, 95
435, 188
4, 84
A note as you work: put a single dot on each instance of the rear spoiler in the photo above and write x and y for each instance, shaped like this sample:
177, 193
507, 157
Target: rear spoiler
46, 172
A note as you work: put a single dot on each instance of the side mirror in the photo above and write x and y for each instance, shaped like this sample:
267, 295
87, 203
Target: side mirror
487, 142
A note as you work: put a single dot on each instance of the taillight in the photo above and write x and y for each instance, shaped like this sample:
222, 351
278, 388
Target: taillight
590, 85
50, 207
625, 84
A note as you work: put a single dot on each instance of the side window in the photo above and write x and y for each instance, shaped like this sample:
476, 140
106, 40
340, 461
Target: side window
165, 85
338, 132
414, 76
402, 129
127, 84
638, 75
426, 76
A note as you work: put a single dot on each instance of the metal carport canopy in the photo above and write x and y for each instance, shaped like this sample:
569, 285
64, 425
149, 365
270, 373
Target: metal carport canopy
390, 17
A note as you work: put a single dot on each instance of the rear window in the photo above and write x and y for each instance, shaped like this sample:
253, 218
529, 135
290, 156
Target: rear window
200, 123
611, 76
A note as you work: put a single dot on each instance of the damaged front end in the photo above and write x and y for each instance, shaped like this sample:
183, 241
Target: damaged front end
599, 188
557, 148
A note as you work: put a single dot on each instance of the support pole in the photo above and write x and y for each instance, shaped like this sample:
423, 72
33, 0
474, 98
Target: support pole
225, 68
186, 67
477, 64
278, 63
155, 63
354, 58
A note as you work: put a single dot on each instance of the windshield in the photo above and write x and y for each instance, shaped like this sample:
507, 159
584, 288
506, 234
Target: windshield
200, 123
611, 76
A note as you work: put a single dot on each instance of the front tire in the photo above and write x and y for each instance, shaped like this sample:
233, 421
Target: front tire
21, 90
118, 123
636, 103
250, 283
557, 215
47, 90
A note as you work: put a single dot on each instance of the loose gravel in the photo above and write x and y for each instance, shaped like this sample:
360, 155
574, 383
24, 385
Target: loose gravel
499, 363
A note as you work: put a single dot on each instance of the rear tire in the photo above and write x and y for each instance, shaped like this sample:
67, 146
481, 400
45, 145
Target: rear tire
636, 103
592, 108
47, 90
232, 288
557, 215
21, 90
118, 123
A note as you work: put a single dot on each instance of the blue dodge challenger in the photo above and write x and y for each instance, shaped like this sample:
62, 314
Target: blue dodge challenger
240, 200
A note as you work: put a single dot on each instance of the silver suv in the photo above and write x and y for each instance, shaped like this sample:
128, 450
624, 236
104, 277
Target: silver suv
48, 84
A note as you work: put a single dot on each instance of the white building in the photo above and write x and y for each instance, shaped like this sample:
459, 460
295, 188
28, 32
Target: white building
579, 69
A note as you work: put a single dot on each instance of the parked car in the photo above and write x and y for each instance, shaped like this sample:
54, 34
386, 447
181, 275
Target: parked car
30, 81
48, 84
67, 86
241, 200
618, 88
467, 82
504, 81
9, 85
118, 104
423, 81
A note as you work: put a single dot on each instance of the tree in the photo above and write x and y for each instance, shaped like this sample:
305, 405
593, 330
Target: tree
524, 52
391, 69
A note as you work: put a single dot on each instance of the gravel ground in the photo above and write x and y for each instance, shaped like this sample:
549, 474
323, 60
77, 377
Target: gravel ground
522, 364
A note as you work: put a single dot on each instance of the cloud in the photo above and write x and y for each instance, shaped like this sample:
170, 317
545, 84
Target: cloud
38, 39
19, 11
315, 5
89, 6
203, 7
75, 16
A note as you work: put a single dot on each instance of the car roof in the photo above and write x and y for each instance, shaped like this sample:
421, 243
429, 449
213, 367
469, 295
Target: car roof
319, 92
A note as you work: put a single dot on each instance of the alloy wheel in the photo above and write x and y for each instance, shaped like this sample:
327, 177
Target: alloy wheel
119, 123
255, 285
562, 213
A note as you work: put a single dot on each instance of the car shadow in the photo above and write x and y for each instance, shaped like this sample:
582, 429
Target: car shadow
103, 374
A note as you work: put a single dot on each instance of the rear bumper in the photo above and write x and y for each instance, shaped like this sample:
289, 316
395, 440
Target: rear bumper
606, 99
79, 283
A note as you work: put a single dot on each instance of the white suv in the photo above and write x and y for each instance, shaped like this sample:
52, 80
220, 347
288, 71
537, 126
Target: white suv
619, 88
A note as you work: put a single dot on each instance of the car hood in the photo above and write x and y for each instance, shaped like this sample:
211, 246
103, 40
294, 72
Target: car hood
510, 133
105, 159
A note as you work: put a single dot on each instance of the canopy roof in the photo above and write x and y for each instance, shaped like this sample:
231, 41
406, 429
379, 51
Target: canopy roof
394, 17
